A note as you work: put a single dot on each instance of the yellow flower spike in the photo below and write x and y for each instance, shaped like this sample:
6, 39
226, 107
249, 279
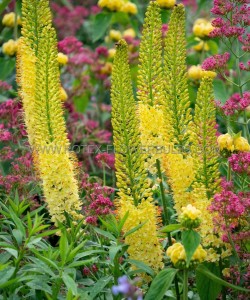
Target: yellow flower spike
40, 90
9, 20
130, 8
62, 58
166, 3
176, 106
10, 47
135, 195
115, 35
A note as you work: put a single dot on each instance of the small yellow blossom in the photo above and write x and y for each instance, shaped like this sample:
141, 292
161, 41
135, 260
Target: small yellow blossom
62, 58
241, 144
129, 8
191, 212
107, 68
226, 272
202, 46
64, 95
129, 33
202, 28
10, 47
114, 5
195, 72
177, 254
225, 142
166, 3
115, 35
210, 74
112, 52
9, 20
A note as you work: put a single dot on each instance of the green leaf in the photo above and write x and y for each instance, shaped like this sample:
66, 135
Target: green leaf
7, 67
18, 222
3, 4
81, 102
63, 246
142, 265
105, 233
161, 284
203, 270
171, 227
12, 251
221, 93
39, 283
98, 287
101, 24
207, 288
75, 264
18, 236
214, 49
134, 229
191, 240
6, 274
70, 283
113, 251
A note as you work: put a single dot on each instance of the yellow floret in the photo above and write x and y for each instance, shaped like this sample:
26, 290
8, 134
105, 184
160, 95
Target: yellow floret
129, 33
62, 58
64, 95
226, 142
10, 48
195, 72
191, 212
202, 28
202, 46
115, 35
112, 52
166, 3
9, 20
129, 8
241, 144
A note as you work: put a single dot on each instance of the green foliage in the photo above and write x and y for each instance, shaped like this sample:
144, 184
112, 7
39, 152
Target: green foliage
150, 76
177, 104
191, 240
207, 288
130, 172
161, 284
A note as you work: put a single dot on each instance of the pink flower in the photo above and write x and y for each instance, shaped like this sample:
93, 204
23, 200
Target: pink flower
216, 62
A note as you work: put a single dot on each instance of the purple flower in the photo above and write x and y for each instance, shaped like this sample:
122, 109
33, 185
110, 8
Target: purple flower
127, 289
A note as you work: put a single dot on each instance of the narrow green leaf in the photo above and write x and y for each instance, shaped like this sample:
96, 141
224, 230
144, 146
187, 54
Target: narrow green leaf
101, 24
191, 240
63, 246
113, 251
134, 229
6, 274
161, 284
207, 288
203, 270
105, 233
70, 283
171, 227
142, 265
18, 236
98, 287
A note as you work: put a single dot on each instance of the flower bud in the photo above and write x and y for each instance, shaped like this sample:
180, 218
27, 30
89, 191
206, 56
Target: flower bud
190, 217
166, 3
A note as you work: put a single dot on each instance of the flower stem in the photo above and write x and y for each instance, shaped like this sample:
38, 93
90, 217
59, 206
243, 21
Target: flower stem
185, 284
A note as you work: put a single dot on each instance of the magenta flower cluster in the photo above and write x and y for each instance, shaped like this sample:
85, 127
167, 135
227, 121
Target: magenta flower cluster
97, 200
216, 62
240, 162
235, 104
232, 20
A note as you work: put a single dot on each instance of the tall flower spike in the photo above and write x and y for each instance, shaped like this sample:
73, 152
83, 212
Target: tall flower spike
150, 88
150, 79
39, 82
204, 145
129, 161
177, 104
135, 195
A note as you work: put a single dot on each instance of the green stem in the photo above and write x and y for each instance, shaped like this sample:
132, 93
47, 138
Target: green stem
15, 23
185, 284
223, 291
104, 174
